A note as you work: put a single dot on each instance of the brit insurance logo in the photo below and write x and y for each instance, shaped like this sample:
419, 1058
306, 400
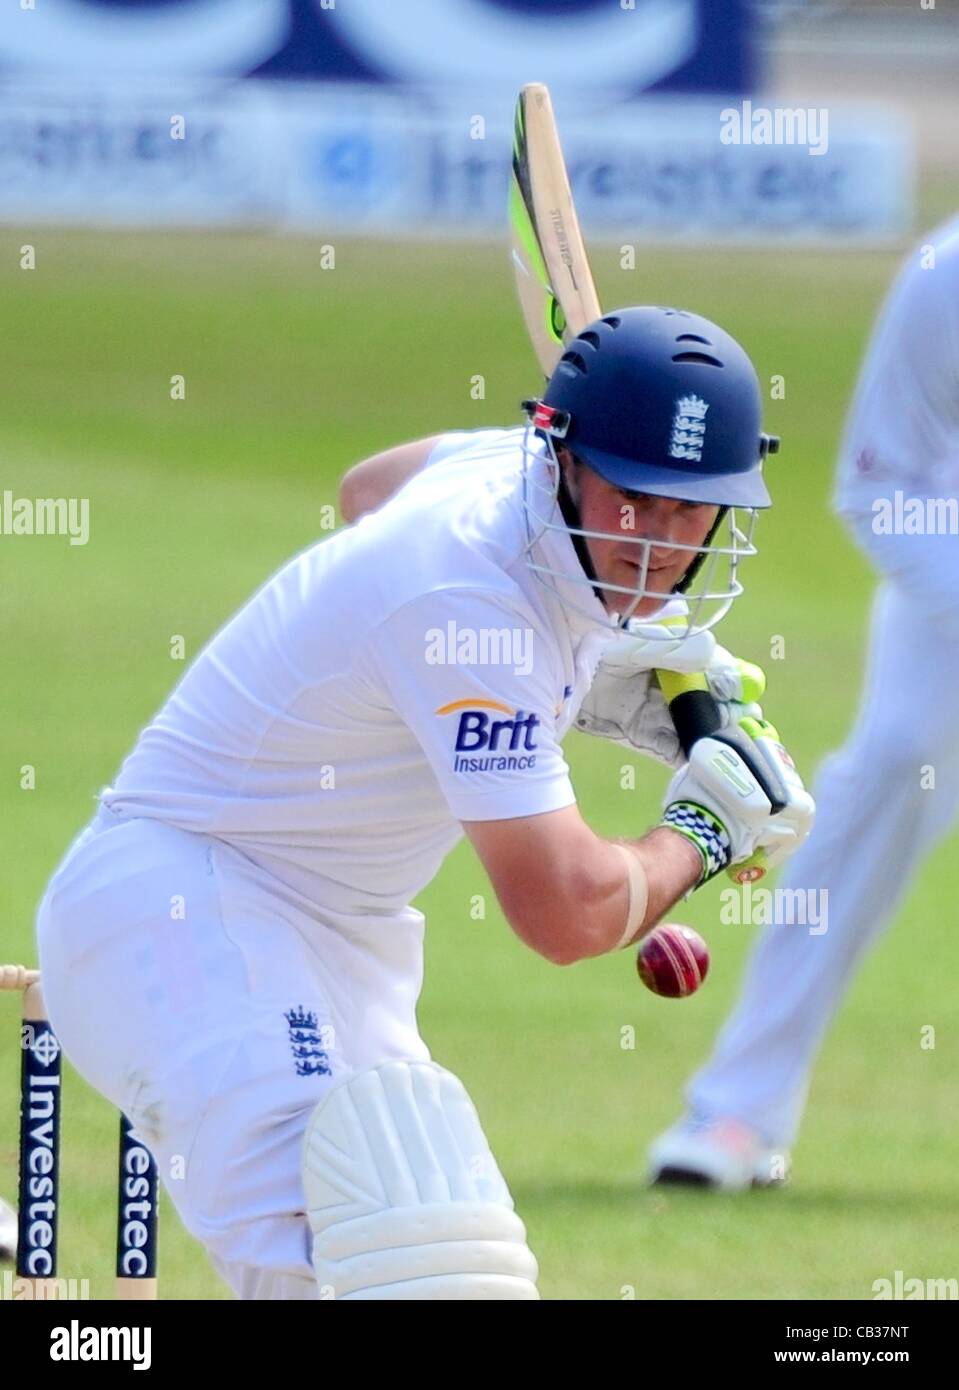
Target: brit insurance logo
492, 737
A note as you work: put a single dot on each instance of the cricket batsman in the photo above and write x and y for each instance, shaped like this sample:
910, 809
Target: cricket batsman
228, 950
891, 793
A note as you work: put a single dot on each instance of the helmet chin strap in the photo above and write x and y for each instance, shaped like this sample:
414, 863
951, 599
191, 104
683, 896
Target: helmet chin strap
696, 565
574, 522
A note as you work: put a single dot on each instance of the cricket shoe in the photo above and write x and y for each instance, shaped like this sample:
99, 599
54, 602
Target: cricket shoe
725, 1155
8, 1231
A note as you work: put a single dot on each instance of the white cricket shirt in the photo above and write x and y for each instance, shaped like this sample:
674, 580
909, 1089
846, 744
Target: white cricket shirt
898, 483
396, 678
903, 427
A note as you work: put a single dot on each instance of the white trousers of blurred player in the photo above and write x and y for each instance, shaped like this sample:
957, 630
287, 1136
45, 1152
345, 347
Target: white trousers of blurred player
215, 1010
875, 823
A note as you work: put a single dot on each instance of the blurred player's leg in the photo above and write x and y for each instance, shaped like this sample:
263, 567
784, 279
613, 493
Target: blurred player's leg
875, 823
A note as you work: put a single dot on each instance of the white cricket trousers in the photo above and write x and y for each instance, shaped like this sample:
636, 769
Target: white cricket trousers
214, 1007
875, 823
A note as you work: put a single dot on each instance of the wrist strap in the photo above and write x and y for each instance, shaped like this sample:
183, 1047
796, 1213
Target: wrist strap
638, 896
704, 830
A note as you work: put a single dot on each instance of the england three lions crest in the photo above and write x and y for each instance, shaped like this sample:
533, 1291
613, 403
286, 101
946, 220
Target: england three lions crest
689, 429
308, 1042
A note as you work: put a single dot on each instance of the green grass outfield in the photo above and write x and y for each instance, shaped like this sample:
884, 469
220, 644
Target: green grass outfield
292, 374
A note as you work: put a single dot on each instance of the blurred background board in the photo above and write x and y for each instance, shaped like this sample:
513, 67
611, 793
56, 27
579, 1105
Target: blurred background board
293, 372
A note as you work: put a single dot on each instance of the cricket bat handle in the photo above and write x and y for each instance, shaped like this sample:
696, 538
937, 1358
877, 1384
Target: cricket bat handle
17, 977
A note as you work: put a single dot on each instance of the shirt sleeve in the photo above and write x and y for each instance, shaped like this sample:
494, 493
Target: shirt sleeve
456, 441
474, 678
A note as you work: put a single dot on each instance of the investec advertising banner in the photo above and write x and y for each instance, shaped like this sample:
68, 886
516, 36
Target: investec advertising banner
387, 116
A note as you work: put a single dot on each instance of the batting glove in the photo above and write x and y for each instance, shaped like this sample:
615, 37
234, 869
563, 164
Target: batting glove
740, 801
624, 703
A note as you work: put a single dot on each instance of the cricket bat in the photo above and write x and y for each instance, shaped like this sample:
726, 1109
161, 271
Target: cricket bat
558, 299
553, 277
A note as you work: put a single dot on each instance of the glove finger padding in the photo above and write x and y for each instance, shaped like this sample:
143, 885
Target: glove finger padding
795, 820
625, 705
758, 755
650, 647
633, 713
731, 679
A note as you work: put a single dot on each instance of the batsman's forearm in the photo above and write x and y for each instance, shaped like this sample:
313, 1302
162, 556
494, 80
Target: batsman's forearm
671, 865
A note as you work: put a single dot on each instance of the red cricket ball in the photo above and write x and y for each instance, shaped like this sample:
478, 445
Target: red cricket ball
672, 960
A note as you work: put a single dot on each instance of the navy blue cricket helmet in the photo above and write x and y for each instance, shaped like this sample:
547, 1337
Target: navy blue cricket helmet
664, 402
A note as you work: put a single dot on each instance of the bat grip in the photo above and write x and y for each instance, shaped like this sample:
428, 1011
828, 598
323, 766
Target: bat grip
692, 706
695, 714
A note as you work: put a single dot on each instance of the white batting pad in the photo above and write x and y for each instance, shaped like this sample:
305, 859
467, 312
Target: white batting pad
404, 1197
